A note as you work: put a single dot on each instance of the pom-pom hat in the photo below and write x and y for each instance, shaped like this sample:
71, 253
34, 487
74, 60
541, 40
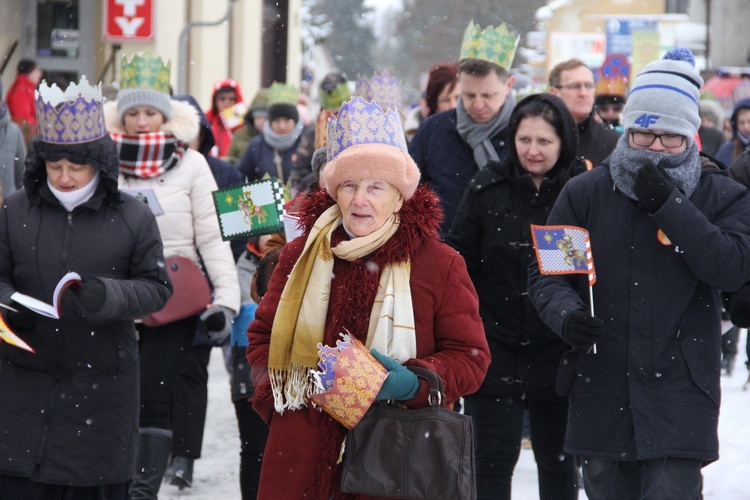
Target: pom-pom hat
665, 96
366, 142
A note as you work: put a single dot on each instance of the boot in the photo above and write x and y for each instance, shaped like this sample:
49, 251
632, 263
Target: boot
182, 468
154, 446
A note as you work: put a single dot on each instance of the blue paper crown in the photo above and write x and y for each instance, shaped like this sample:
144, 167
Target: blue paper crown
360, 122
382, 89
70, 117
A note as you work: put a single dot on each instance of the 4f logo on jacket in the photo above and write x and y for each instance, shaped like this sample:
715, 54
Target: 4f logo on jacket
646, 120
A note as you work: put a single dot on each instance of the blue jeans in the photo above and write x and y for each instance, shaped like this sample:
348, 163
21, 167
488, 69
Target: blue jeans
665, 478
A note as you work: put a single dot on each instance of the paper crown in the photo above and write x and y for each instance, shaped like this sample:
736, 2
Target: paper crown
321, 128
382, 89
613, 76
348, 381
361, 122
494, 44
334, 99
70, 117
145, 71
280, 93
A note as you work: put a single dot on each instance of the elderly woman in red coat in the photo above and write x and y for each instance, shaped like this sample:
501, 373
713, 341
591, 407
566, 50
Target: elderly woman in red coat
371, 235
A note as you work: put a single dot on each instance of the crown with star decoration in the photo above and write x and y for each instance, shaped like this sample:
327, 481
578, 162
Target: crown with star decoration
70, 117
382, 89
493, 44
361, 122
145, 71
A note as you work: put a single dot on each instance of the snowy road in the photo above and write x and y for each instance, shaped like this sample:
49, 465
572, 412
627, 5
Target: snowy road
217, 472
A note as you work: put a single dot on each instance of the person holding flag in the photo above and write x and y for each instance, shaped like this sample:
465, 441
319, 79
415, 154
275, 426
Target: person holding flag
666, 236
493, 234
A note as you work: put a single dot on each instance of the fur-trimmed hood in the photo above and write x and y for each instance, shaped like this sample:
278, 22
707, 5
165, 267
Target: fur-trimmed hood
420, 220
184, 123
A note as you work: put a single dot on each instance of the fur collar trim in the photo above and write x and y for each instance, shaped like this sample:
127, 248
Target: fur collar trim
420, 220
184, 123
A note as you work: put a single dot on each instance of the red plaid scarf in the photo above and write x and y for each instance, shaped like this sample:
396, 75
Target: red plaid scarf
147, 155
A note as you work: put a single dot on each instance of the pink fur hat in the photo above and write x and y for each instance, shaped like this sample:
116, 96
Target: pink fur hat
380, 162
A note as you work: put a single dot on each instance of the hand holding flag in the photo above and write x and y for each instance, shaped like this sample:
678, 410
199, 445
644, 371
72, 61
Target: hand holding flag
565, 250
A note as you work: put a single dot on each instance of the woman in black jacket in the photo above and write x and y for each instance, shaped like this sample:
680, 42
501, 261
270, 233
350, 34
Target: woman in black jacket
69, 412
491, 231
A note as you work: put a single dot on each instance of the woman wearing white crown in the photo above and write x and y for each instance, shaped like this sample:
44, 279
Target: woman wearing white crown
152, 132
69, 411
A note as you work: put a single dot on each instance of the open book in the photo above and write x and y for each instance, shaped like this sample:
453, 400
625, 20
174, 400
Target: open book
50, 310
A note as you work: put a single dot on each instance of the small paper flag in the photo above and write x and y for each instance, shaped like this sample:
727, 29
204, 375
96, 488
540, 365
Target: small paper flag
251, 209
563, 250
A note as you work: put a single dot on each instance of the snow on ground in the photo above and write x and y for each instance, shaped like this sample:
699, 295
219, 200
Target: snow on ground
217, 472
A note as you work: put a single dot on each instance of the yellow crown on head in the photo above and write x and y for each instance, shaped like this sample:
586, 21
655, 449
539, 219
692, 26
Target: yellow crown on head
281, 93
493, 44
145, 71
71, 117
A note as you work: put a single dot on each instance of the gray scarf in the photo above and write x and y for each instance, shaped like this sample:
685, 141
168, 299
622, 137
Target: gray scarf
282, 142
479, 135
683, 168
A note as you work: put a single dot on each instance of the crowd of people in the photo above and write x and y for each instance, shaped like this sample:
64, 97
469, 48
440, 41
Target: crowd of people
415, 239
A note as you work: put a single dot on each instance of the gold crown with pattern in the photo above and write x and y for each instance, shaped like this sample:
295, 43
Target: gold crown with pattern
493, 44
145, 71
281, 93
70, 117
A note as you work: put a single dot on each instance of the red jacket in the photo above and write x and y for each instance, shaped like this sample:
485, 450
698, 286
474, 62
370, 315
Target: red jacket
20, 100
222, 135
303, 445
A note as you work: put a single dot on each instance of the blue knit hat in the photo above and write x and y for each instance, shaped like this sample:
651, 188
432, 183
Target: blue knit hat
665, 96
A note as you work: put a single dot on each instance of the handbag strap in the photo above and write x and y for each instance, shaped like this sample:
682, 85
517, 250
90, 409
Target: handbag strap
437, 388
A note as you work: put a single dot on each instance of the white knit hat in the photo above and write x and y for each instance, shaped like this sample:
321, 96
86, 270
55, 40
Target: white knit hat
665, 95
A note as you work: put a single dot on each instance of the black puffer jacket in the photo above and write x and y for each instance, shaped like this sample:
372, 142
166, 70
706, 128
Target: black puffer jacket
492, 232
69, 413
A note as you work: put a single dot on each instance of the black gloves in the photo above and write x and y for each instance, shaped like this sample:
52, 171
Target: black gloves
24, 319
738, 307
582, 330
653, 187
216, 323
86, 299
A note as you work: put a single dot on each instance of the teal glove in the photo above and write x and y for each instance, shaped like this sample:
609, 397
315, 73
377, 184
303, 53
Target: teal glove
401, 384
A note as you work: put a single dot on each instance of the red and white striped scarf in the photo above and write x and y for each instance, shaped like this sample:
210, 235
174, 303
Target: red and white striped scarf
147, 155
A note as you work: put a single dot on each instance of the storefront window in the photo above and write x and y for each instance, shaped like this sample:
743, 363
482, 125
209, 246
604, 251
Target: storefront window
57, 31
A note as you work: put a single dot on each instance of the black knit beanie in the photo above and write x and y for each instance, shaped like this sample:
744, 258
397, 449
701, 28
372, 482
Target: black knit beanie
279, 110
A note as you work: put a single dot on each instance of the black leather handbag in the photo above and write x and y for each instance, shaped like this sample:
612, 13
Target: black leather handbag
411, 453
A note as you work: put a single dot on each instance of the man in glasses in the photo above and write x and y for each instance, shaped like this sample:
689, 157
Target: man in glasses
573, 81
666, 236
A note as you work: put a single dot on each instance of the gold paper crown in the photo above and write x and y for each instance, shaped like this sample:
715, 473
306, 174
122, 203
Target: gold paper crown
334, 99
145, 71
280, 93
617, 86
70, 117
495, 44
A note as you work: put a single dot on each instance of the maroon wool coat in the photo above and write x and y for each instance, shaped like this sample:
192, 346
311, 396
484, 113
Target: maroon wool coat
303, 445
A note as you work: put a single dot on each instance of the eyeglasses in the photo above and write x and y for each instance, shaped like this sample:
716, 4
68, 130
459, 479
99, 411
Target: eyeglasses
589, 86
667, 140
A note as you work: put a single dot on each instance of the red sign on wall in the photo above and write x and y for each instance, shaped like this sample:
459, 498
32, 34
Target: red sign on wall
128, 20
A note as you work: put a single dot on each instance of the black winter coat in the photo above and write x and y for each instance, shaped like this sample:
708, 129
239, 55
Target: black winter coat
69, 413
492, 232
595, 141
652, 389
446, 161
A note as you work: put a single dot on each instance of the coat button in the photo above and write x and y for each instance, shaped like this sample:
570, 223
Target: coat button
678, 200
565, 361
